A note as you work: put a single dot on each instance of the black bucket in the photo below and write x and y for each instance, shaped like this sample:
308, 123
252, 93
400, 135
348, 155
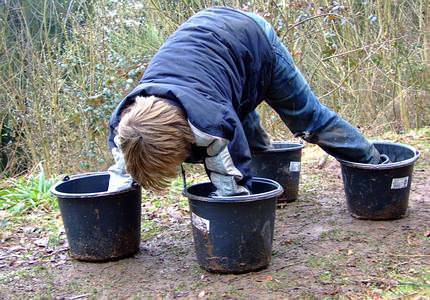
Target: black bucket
100, 225
380, 192
233, 234
282, 164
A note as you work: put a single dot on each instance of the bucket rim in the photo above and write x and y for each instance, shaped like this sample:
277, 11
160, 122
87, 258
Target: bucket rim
296, 146
388, 166
238, 199
67, 178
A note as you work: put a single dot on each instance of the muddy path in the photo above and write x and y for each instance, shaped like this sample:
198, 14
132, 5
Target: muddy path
319, 251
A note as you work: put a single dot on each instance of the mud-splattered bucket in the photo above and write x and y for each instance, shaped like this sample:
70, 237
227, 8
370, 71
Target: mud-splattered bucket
233, 234
380, 192
282, 164
100, 225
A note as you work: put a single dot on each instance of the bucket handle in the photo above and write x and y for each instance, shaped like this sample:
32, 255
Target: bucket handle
184, 179
384, 159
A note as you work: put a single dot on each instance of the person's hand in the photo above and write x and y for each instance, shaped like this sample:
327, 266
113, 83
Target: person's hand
226, 186
241, 191
119, 179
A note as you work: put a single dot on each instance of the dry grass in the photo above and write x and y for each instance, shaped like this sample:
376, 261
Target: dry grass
65, 64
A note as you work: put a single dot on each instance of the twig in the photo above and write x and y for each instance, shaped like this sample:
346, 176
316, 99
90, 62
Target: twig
405, 296
347, 52
306, 205
309, 19
165, 15
414, 284
349, 74
364, 48
286, 266
411, 255
55, 252
77, 297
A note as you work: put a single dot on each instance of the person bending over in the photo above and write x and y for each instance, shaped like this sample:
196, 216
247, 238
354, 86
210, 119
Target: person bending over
197, 98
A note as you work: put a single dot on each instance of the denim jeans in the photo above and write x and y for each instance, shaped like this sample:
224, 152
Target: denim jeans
292, 98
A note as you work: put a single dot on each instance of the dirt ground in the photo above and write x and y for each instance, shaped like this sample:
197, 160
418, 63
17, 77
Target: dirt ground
319, 251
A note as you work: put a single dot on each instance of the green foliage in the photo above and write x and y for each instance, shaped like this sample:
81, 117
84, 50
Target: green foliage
64, 66
25, 194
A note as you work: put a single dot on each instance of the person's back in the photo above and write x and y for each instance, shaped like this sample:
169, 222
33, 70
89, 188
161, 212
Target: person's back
219, 59
216, 67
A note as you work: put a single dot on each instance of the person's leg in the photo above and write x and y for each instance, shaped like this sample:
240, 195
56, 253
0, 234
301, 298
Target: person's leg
257, 137
292, 98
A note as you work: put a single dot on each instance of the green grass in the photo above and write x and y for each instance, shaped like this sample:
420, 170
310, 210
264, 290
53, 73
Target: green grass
329, 262
326, 277
416, 284
25, 274
27, 193
274, 285
338, 235
149, 229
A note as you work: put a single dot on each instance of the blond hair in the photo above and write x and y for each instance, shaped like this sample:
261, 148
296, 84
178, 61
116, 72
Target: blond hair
155, 138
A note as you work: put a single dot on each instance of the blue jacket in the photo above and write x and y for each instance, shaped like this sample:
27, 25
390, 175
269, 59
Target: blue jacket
217, 67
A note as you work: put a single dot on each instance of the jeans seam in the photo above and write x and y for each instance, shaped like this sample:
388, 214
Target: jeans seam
279, 53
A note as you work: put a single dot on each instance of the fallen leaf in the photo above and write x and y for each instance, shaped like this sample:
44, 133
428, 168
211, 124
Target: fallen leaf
15, 249
202, 294
5, 236
59, 263
43, 242
29, 229
174, 213
350, 252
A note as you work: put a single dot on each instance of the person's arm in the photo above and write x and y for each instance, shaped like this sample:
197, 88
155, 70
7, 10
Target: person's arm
119, 179
226, 162
256, 135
